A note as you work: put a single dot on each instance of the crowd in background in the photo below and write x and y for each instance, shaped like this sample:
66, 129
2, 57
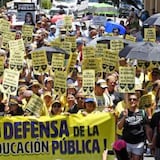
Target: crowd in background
134, 125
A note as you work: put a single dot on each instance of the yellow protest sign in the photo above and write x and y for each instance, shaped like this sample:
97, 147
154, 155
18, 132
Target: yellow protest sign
100, 49
16, 45
72, 61
150, 34
0, 41
155, 64
1, 65
127, 79
110, 61
10, 81
143, 64
116, 45
7, 36
17, 50
130, 38
34, 105
57, 62
4, 25
27, 31
68, 22
88, 52
92, 63
66, 46
60, 82
88, 82
71, 39
145, 101
55, 43
58, 137
39, 61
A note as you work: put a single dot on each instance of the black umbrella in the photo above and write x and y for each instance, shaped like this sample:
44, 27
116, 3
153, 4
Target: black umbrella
124, 52
107, 39
146, 51
53, 50
153, 20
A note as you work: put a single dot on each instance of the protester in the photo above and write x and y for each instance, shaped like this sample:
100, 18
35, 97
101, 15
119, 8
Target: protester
52, 34
150, 109
26, 97
90, 107
72, 105
153, 76
56, 108
134, 123
120, 151
18, 35
2, 105
113, 94
14, 108
35, 87
115, 32
48, 83
47, 99
101, 31
80, 45
106, 96
80, 100
132, 20
154, 144
102, 100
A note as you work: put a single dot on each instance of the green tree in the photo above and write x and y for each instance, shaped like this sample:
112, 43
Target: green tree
3, 2
46, 4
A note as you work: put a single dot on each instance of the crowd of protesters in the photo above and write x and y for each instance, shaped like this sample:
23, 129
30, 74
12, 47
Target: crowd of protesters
134, 125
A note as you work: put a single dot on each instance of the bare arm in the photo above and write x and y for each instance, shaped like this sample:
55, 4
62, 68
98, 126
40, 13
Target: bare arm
121, 122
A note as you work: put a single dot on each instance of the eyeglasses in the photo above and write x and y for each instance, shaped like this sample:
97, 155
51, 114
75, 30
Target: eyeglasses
132, 99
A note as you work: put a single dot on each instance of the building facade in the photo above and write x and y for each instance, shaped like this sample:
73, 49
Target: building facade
153, 6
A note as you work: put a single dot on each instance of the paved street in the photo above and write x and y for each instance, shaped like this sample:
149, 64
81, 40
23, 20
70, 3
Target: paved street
148, 158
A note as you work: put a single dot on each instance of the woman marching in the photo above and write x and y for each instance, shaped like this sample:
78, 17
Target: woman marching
134, 123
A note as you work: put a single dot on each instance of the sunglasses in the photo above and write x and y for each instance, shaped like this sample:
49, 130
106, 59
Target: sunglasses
80, 98
132, 99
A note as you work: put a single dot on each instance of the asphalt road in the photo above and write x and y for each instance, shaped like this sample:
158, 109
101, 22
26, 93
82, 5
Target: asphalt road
148, 158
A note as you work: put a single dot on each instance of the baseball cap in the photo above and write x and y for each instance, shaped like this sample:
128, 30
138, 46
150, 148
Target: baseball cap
53, 26
56, 102
27, 93
13, 101
34, 82
89, 100
47, 93
47, 79
102, 83
119, 145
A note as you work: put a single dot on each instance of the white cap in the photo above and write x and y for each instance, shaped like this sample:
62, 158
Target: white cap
53, 26
102, 83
